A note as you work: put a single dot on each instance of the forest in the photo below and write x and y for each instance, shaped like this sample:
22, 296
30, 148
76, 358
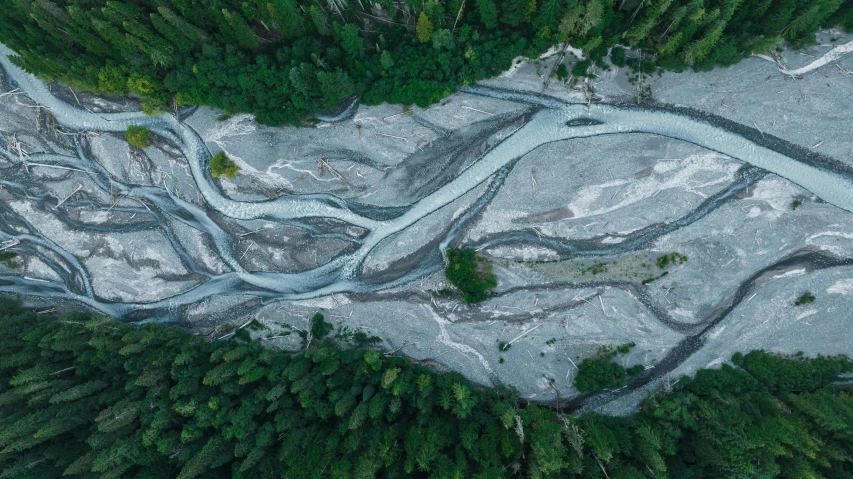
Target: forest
86, 396
285, 60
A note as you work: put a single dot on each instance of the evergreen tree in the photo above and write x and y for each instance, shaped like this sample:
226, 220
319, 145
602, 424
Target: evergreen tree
244, 34
424, 28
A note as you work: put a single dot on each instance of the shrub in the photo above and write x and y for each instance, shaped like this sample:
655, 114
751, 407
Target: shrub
599, 373
8, 258
471, 274
806, 298
671, 259
617, 56
581, 67
796, 204
562, 72
221, 165
138, 136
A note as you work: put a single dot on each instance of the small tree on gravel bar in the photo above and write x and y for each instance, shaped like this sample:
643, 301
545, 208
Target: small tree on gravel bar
138, 136
806, 298
221, 165
471, 274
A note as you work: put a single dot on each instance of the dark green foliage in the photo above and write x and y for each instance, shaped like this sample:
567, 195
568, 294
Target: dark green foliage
221, 165
655, 278
283, 60
599, 373
581, 68
138, 136
319, 327
7, 258
92, 394
471, 274
671, 259
781, 373
86, 396
796, 204
617, 56
641, 66
635, 370
805, 298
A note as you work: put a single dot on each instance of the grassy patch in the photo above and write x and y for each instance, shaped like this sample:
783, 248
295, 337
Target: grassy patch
471, 274
221, 165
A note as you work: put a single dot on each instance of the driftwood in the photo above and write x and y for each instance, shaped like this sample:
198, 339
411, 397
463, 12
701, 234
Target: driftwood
324, 164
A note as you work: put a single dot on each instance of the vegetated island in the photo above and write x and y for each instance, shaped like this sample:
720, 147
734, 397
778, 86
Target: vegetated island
83, 395
284, 60
471, 274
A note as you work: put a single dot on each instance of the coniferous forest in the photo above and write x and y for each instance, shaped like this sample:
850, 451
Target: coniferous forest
87, 396
284, 60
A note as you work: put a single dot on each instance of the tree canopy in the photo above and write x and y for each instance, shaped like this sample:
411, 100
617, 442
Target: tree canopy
86, 396
138, 136
221, 165
470, 273
284, 60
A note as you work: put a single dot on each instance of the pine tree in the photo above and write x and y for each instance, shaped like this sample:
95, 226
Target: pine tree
652, 15
697, 51
193, 33
488, 13
318, 16
171, 33
351, 41
386, 60
158, 48
287, 14
550, 13
241, 30
424, 28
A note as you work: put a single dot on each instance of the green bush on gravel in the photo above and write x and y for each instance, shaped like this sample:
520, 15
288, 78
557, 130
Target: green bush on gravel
599, 373
221, 165
805, 298
138, 136
471, 274
8, 258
